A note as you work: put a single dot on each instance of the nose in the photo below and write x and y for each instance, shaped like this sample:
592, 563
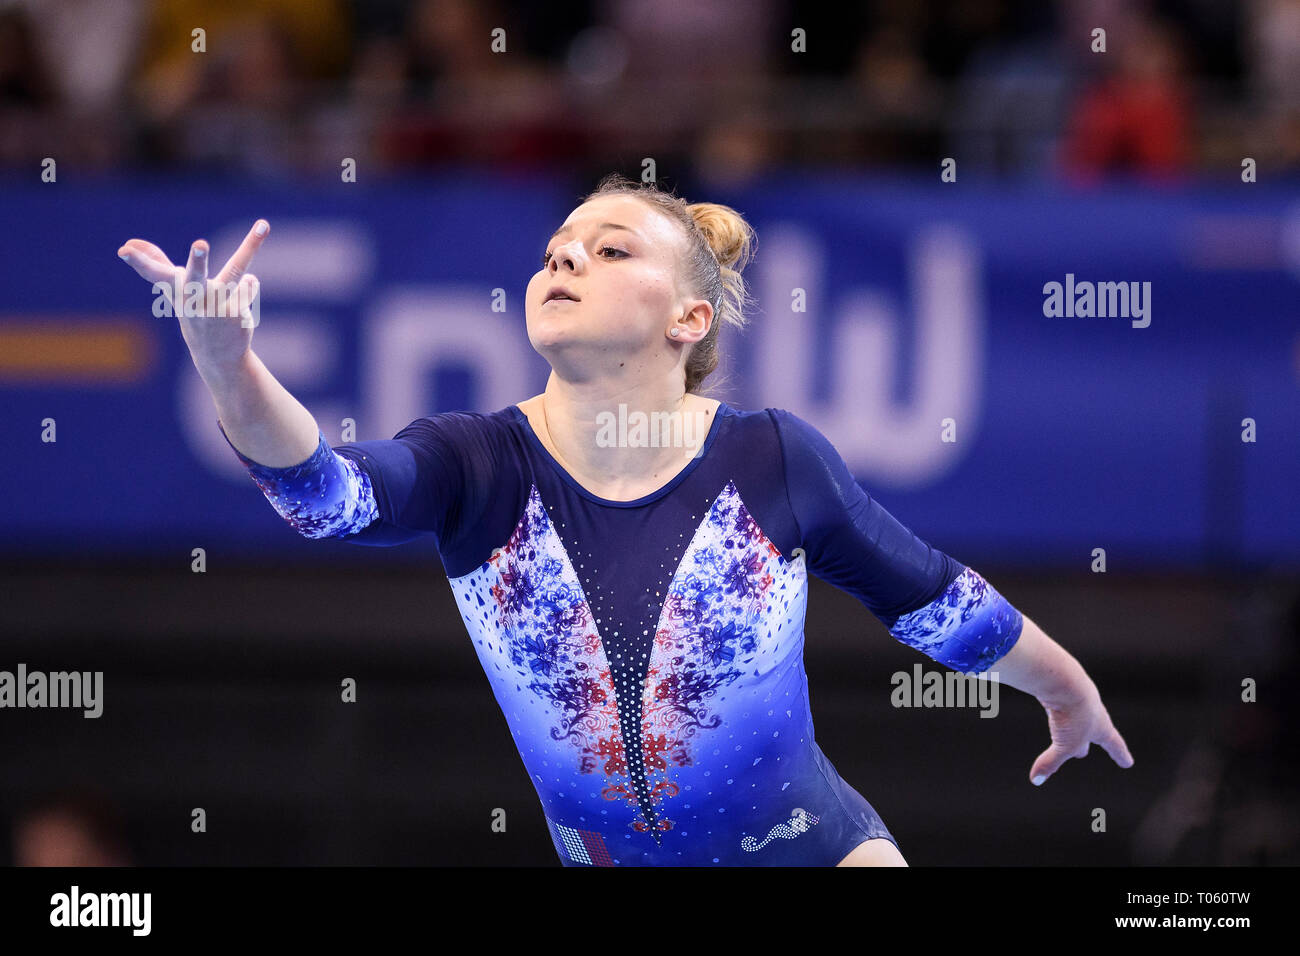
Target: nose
567, 256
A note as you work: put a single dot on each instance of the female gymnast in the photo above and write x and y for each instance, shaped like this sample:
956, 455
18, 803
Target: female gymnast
637, 604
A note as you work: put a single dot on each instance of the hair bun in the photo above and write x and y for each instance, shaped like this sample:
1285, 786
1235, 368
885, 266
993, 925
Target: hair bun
729, 237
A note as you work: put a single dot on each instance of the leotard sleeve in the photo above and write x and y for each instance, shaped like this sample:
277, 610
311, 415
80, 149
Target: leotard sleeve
433, 476
926, 599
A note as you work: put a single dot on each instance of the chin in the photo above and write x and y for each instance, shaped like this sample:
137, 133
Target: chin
546, 336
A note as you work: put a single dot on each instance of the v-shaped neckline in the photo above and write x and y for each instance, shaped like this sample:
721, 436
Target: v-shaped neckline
646, 499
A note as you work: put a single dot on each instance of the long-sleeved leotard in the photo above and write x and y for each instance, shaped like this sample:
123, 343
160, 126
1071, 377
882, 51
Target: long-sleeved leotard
648, 654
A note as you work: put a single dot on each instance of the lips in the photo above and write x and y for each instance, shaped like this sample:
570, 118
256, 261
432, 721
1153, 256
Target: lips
559, 292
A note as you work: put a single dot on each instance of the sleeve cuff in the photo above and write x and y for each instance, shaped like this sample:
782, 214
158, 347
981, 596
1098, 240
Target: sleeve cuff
968, 628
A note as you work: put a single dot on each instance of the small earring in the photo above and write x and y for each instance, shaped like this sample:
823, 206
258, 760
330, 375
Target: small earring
673, 332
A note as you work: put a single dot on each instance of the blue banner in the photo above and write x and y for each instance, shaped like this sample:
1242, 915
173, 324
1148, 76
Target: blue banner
1020, 375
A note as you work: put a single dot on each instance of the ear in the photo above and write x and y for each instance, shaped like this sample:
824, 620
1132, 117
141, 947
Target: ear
695, 322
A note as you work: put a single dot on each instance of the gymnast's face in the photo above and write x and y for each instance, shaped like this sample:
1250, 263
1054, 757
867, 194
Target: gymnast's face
626, 283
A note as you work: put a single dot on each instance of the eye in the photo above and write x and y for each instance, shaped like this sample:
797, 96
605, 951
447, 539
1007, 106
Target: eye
546, 256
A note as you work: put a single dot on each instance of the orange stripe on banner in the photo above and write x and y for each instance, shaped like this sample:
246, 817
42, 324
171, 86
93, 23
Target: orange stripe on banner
74, 350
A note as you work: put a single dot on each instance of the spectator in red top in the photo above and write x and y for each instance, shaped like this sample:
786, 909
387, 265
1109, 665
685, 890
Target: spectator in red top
1136, 120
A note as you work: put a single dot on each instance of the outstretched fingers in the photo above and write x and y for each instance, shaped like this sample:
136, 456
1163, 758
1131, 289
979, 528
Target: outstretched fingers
147, 260
1048, 762
237, 265
1114, 744
195, 290
1051, 759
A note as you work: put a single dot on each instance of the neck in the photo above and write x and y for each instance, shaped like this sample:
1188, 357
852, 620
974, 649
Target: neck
625, 437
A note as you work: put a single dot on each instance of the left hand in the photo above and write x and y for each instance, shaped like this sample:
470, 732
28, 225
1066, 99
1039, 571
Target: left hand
1075, 727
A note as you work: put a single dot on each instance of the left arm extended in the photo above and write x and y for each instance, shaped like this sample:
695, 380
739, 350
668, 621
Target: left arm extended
1076, 716
930, 601
972, 628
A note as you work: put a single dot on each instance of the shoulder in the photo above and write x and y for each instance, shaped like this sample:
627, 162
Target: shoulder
797, 437
459, 427
786, 434
819, 481
753, 430
746, 418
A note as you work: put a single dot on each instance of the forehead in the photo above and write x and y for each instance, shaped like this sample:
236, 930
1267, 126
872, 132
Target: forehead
628, 211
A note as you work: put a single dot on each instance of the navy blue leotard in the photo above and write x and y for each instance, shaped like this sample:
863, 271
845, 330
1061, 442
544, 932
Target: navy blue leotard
648, 654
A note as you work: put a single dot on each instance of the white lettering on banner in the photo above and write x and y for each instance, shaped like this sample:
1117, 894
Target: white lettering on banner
887, 441
412, 330
309, 261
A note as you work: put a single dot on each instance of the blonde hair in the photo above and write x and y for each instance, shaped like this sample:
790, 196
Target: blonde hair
721, 243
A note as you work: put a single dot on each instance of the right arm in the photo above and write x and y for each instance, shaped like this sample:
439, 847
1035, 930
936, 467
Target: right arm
262, 421
378, 493
258, 415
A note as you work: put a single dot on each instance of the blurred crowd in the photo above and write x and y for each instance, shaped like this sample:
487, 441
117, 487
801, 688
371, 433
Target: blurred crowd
1009, 87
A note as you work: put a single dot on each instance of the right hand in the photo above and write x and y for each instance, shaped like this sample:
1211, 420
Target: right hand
218, 329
